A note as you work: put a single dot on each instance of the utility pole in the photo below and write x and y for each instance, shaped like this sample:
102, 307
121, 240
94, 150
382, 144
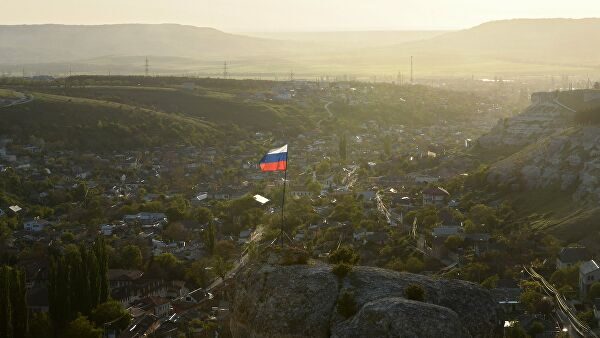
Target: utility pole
411, 70
147, 67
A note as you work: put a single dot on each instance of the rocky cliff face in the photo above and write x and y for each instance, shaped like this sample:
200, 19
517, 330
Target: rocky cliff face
297, 301
568, 160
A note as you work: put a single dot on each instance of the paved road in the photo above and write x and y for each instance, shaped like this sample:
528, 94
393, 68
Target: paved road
22, 99
328, 112
565, 313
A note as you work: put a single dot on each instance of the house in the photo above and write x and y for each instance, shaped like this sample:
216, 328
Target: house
572, 255
507, 294
300, 192
107, 229
121, 277
589, 272
35, 225
596, 308
157, 306
146, 218
245, 236
435, 196
142, 326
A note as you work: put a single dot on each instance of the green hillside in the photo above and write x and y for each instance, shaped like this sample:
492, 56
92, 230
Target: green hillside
214, 106
76, 123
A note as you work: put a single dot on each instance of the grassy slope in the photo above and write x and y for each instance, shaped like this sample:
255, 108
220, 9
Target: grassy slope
82, 123
213, 106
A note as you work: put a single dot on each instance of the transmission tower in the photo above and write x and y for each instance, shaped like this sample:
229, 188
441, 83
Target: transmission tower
147, 67
225, 73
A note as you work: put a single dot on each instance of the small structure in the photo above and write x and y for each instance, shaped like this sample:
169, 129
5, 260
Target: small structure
589, 272
572, 255
435, 196
35, 225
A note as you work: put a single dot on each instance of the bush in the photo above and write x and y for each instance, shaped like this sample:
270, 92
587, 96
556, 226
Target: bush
341, 270
293, 256
415, 292
346, 304
344, 254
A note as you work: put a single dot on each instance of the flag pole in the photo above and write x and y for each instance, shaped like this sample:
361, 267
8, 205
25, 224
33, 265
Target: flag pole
283, 198
283, 204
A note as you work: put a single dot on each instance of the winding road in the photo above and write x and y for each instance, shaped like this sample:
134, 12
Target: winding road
21, 99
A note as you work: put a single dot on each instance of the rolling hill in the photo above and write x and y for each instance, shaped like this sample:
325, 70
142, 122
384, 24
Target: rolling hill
85, 124
66, 43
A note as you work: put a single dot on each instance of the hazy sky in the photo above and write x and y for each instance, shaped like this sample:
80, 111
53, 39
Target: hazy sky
293, 15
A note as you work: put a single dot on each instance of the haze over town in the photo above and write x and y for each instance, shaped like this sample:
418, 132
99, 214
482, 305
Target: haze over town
299, 169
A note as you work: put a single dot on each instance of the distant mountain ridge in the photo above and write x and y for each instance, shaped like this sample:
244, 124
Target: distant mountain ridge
60, 43
510, 46
564, 41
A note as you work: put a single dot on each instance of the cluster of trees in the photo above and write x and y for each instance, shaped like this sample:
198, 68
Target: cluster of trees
77, 282
13, 308
588, 116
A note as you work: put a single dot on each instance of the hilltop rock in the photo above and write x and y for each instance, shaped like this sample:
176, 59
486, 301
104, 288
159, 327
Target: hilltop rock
297, 301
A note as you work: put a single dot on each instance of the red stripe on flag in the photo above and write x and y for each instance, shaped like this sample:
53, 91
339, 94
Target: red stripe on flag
274, 166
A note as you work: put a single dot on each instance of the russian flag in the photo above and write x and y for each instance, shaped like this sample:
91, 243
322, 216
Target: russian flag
275, 160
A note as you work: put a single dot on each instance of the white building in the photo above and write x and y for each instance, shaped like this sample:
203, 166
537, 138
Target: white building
589, 273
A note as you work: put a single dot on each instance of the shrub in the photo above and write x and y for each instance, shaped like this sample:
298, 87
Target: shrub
341, 270
415, 292
344, 254
346, 304
293, 256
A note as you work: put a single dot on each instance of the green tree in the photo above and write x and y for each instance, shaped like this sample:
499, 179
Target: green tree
210, 237
221, 267
131, 257
515, 331
111, 312
343, 145
490, 282
344, 254
453, 242
82, 327
594, 291
40, 326
203, 215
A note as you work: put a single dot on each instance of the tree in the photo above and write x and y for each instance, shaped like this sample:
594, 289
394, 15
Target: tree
224, 249
414, 265
344, 254
221, 267
415, 292
594, 291
588, 318
515, 331
482, 214
209, 237
40, 326
202, 215
111, 312
175, 232
530, 300
82, 327
199, 273
343, 147
566, 276
131, 257
490, 282
453, 242
13, 308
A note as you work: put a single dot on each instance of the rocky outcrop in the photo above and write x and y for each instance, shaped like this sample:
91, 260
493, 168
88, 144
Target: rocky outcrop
295, 301
568, 160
